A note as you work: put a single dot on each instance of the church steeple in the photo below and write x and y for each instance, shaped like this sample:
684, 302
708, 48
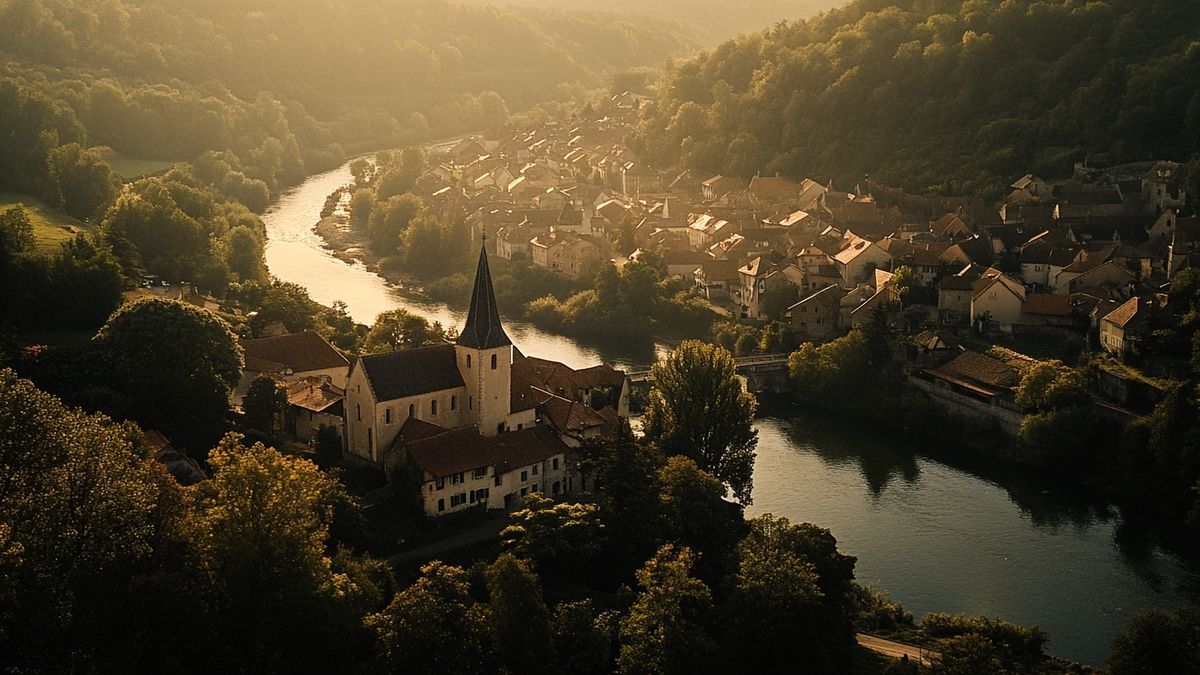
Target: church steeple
483, 329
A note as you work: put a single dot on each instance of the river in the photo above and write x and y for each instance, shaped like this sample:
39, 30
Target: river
935, 537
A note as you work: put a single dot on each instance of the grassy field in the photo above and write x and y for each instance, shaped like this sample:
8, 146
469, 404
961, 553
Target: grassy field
132, 167
51, 227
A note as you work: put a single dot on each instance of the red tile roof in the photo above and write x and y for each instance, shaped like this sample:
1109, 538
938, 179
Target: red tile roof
301, 352
567, 415
1047, 304
460, 450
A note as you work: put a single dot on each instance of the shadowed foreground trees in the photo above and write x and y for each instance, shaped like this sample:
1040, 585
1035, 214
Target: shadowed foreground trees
666, 630
177, 361
1157, 642
108, 565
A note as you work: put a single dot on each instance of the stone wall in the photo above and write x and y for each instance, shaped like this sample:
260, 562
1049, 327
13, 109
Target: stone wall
1009, 418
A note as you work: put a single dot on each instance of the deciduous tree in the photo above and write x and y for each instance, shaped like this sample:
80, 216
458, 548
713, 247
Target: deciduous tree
179, 362
667, 629
400, 329
518, 618
699, 409
264, 404
433, 626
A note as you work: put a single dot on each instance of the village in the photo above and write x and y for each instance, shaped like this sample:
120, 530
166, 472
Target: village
1066, 267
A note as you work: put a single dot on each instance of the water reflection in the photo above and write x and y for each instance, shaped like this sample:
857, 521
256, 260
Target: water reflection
945, 535
839, 442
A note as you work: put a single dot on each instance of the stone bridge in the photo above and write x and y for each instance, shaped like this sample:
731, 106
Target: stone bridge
761, 372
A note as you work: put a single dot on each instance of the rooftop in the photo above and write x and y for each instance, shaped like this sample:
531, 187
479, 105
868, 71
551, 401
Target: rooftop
451, 452
298, 352
411, 372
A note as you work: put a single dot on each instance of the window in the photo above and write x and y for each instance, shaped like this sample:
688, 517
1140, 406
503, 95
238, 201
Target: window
458, 499
456, 478
481, 472
497, 481
468, 360
533, 488
555, 464
369, 440
524, 476
534, 469
557, 486
358, 412
440, 483
441, 505
454, 403
433, 408
524, 491
412, 409
470, 403
493, 361
482, 494
387, 415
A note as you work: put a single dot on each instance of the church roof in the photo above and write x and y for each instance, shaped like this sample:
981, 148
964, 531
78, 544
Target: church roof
483, 329
411, 372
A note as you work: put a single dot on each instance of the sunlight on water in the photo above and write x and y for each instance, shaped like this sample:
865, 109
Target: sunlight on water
294, 253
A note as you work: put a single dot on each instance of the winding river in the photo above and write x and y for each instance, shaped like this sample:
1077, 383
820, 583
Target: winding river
935, 537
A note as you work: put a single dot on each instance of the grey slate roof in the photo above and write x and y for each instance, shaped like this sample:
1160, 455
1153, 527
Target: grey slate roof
412, 372
483, 329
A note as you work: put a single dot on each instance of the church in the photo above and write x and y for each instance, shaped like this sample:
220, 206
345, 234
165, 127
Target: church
482, 423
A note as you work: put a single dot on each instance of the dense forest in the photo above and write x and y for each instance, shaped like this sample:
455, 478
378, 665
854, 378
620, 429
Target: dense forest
170, 79
943, 94
716, 19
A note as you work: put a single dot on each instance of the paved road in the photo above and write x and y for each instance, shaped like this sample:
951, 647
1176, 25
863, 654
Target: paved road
897, 649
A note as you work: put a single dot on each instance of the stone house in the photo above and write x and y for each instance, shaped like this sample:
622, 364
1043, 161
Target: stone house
1123, 327
568, 254
817, 317
996, 301
858, 257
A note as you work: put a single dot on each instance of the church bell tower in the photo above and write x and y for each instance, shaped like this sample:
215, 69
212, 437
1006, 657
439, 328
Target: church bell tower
485, 356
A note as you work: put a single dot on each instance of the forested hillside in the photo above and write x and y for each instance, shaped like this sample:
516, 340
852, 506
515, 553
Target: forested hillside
717, 19
171, 78
247, 98
943, 94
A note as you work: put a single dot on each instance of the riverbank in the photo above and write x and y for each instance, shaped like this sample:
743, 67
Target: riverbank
924, 427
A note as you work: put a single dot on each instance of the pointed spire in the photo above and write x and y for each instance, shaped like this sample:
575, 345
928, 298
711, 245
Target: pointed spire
483, 329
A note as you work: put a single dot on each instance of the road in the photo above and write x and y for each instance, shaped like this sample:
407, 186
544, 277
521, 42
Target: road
897, 649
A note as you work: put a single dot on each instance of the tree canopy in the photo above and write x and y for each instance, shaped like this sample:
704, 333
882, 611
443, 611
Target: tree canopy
698, 408
920, 93
179, 362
